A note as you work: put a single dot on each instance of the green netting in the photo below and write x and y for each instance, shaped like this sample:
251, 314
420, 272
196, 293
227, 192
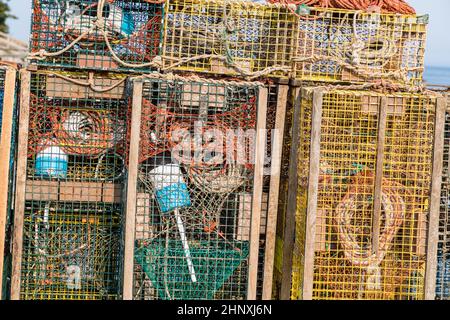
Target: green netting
166, 266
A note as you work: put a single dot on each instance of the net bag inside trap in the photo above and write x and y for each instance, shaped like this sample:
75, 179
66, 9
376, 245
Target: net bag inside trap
69, 33
166, 266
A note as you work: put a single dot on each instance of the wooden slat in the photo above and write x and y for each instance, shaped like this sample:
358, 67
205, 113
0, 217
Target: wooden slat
19, 208
257, 194
5, 155
289, 221
433, 225
61, 88
130, 217
313, 190
382, 117
72, 191
277, 149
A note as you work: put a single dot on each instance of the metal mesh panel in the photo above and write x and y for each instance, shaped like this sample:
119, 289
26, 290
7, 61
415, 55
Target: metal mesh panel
348, 262
69, 32
443, 267
228, 37
2, 94
338, 45
72, 245
195, 189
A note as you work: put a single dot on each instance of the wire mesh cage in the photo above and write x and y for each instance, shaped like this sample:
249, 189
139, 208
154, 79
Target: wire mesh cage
336, 45
443, 267
365, 168
195, 209
228, 37
8, 112
70, 200
97, 34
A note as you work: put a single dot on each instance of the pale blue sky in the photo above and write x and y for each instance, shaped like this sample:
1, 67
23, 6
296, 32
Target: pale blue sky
438, 48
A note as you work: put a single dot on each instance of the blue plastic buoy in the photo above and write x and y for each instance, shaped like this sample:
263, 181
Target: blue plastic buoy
52, 162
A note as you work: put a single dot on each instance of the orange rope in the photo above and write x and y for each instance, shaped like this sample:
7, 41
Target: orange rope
158, 126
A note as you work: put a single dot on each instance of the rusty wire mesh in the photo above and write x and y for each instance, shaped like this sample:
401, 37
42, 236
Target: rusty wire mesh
193, 213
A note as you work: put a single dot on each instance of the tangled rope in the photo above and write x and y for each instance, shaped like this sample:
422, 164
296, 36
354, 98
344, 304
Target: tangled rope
386, 6
395, 211
87, 133
99, 28
361, 52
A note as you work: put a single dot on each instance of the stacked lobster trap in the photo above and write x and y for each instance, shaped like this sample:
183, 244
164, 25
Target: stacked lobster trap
71, 174
223, 37
443, 267
198, 193
7, 153
365, 199
334, 45
123, 35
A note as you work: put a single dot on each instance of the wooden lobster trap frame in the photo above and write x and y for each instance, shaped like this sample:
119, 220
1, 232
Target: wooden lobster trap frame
193, 227
443, 264
7, 148
67, 241
362, 212
123, 35
275, 124
335, 45
240, 38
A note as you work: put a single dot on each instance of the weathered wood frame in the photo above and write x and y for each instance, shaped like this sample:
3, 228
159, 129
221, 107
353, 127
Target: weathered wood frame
272, 210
